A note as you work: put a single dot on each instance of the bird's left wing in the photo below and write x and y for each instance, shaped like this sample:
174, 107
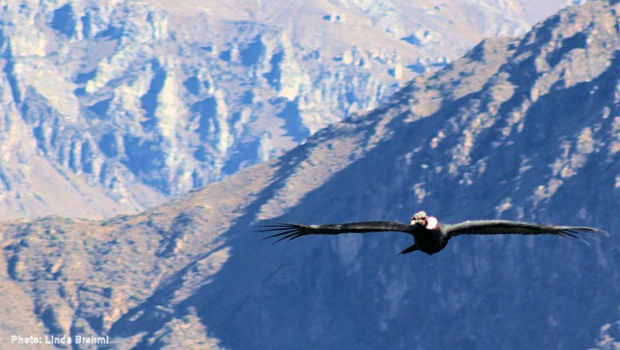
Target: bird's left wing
493, 227
292, 231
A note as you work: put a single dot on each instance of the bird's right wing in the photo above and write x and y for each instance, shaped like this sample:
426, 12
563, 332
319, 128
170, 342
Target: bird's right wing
493, 227
292, 231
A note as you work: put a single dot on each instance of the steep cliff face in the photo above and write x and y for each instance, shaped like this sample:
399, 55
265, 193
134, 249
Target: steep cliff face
524, 128
124, 103
527, 130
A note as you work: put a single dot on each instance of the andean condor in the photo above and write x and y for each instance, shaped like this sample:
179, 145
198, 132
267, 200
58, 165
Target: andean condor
429, 235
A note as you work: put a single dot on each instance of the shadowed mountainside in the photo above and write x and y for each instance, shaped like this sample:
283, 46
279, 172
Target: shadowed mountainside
525, 128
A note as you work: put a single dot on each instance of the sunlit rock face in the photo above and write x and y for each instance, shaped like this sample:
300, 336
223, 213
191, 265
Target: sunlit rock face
124, 103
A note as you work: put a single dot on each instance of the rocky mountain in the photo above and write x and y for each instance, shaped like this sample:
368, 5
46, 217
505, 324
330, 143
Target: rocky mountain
525, 128
113, 106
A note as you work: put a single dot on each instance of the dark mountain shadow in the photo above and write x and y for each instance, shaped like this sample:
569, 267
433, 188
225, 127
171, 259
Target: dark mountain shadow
353, 293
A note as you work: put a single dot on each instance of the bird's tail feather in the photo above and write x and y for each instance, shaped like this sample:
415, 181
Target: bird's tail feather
409, 250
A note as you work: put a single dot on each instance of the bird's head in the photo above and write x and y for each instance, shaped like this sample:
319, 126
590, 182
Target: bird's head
420, 218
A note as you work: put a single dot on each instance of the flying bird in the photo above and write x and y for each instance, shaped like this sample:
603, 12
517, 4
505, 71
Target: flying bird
429, 235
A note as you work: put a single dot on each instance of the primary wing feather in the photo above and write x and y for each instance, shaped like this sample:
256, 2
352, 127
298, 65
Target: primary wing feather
493, 227
292, 231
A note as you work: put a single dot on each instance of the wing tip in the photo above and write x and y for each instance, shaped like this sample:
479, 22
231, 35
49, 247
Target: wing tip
575, 231
580, 229
283, 230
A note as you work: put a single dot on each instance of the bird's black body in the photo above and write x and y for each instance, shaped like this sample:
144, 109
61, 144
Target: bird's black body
429, 235
429, 241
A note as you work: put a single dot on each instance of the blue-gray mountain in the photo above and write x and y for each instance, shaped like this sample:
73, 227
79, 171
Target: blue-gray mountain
113, 106
523, 129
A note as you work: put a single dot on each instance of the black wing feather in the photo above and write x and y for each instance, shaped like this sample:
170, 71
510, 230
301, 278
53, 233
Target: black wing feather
292, 231
494, 227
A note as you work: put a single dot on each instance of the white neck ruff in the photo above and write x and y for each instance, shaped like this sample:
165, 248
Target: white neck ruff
431, 223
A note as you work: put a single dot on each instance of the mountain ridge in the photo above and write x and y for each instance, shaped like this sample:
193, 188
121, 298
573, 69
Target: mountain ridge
127, 104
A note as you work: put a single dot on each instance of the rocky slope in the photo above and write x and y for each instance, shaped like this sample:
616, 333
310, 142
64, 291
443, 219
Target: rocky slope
114, 106
525, 128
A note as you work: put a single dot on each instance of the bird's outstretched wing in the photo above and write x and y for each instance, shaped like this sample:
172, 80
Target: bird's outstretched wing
493, 227
292, 231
